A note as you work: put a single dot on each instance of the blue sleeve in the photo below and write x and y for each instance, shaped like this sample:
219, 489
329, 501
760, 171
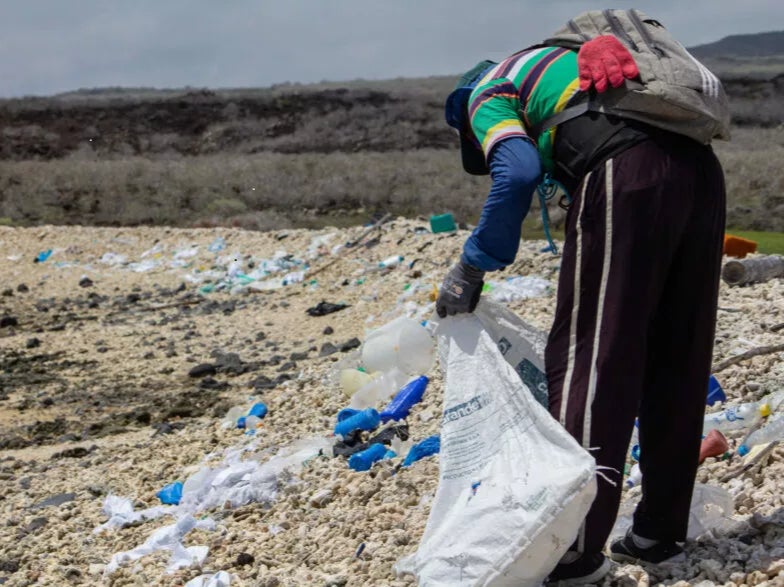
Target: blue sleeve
515, 169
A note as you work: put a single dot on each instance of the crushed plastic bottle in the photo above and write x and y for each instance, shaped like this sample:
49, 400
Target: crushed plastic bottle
736, 417
773, 430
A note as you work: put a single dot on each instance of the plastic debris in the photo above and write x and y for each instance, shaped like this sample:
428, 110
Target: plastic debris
403, 401
324, 308
517, 288
171, 493
429, 446
43, 256
442, 223
715, 392
219, 579
167, 538
368, 419
363, 461
120, 513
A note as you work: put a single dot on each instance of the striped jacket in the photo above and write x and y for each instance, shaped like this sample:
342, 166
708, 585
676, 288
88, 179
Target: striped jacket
521, 91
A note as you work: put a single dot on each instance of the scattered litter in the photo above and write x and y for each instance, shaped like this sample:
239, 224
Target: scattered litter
219, 579
428, 447
43, 256
514, 289
168, 538
324, 308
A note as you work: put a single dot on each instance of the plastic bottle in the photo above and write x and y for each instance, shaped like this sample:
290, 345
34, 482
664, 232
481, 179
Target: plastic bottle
378, 389
351, 380
635, 477
391, 262
362, 461
736, 417
365, 420
401, 404
773, 430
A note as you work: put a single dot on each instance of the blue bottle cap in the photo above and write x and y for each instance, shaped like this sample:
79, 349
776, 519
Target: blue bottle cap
743, 450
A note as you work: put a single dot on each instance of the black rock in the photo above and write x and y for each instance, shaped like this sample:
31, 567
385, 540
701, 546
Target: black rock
354, 343
167, 427
32, 343
230, 363
262, 383
289, 366
132, 298
85, 282
149, 355
22, 288
211, 383
9, 566
260, 336
298, 356
282, 377
102, 349
76, 452
47, 401
37, 524
55, 500
202, 370
329, 330
7, 292
8, 321
327, 349
244, 559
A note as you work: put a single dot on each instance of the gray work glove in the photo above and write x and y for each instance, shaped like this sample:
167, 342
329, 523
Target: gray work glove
460, 290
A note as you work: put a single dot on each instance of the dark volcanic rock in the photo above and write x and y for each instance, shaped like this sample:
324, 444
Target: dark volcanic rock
203, 370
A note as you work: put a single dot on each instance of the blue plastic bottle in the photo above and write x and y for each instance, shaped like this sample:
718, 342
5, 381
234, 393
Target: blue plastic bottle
362, 461
365, 420
171, 494
401, 404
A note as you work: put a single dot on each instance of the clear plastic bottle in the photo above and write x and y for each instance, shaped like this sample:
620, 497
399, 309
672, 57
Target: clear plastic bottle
773, 430
736, 417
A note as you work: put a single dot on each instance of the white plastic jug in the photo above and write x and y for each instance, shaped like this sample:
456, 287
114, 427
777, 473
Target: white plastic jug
403, 344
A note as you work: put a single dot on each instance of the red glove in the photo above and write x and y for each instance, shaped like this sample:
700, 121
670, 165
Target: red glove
604, 59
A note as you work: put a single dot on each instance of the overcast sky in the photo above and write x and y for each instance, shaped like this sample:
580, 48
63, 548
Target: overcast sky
49, 46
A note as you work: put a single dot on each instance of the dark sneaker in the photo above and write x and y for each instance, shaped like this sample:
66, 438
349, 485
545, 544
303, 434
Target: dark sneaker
625, 550
587, 569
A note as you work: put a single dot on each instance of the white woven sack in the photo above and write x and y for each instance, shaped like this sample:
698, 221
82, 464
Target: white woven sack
514, 486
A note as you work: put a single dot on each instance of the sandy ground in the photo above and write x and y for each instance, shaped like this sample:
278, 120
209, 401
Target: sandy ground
96, 345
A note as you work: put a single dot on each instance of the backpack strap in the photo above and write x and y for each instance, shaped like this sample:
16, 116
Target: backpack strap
566, 114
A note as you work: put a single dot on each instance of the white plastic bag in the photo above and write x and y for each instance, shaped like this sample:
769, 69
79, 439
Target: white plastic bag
514, 486
521, 344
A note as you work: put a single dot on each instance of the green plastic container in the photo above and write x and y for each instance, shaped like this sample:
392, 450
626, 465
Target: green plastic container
442, 223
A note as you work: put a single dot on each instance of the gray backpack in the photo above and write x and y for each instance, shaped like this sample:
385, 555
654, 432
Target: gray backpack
675, 92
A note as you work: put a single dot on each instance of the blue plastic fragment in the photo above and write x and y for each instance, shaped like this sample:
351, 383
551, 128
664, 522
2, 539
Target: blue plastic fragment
171, 494
429, 446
